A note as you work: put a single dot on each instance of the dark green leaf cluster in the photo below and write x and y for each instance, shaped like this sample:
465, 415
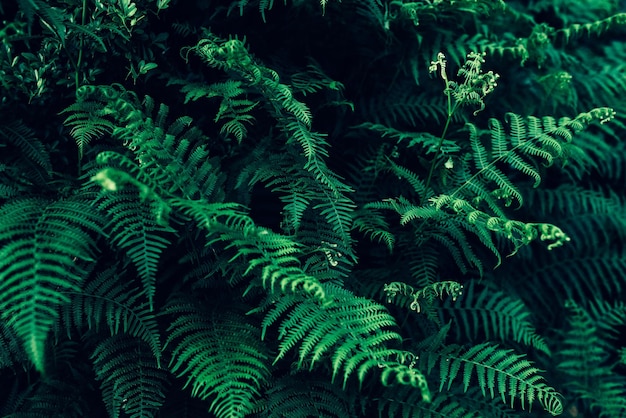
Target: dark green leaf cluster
312, 208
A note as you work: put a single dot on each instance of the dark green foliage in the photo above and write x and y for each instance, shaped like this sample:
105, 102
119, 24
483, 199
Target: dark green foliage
312, 208
106, 302
220, 355
303, 396
47, 246
130, 379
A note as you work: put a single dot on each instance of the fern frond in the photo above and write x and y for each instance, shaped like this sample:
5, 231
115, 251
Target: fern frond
586, 356
531, 139
130, 378
426, 295
596, 28
108, 301
302, 396
583, 354
499, 371
135, 230
494, 314
272, 254
55, 397
350, 333
404, 107
313, 80
24, 139
87, 122
234, 107
45, 246
11, 352
173, 157
294, 119
220, 355
375, 226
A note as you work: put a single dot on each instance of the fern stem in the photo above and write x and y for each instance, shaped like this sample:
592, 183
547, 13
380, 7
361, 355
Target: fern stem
80, 50
450, 112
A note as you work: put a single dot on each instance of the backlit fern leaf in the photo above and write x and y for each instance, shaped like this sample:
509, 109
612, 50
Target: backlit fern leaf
87, 122
534, 140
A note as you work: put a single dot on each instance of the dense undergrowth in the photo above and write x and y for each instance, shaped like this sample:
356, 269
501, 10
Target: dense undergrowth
303, 209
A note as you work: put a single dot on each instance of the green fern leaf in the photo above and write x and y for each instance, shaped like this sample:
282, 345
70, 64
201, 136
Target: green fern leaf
499, 371
45, 247
375, 226
135, 230
131, 381
495, 314
302, 395
108, 300
347, 333
87, 123
271, 254
24, 138
220, 355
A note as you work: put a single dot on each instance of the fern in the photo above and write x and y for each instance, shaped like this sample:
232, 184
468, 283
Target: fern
351, 334
135, 231
271, 256
292, 397
272, 199
170, 155
530, 138
105, 302
585, 358
494, 315
425, 295
498, 371
313, 80
294, 120
429, 142
220, 355
11, 352
375, 226
131, 381
234, 106
595, 28
46, 246
87, 122
56, 398
30, 146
